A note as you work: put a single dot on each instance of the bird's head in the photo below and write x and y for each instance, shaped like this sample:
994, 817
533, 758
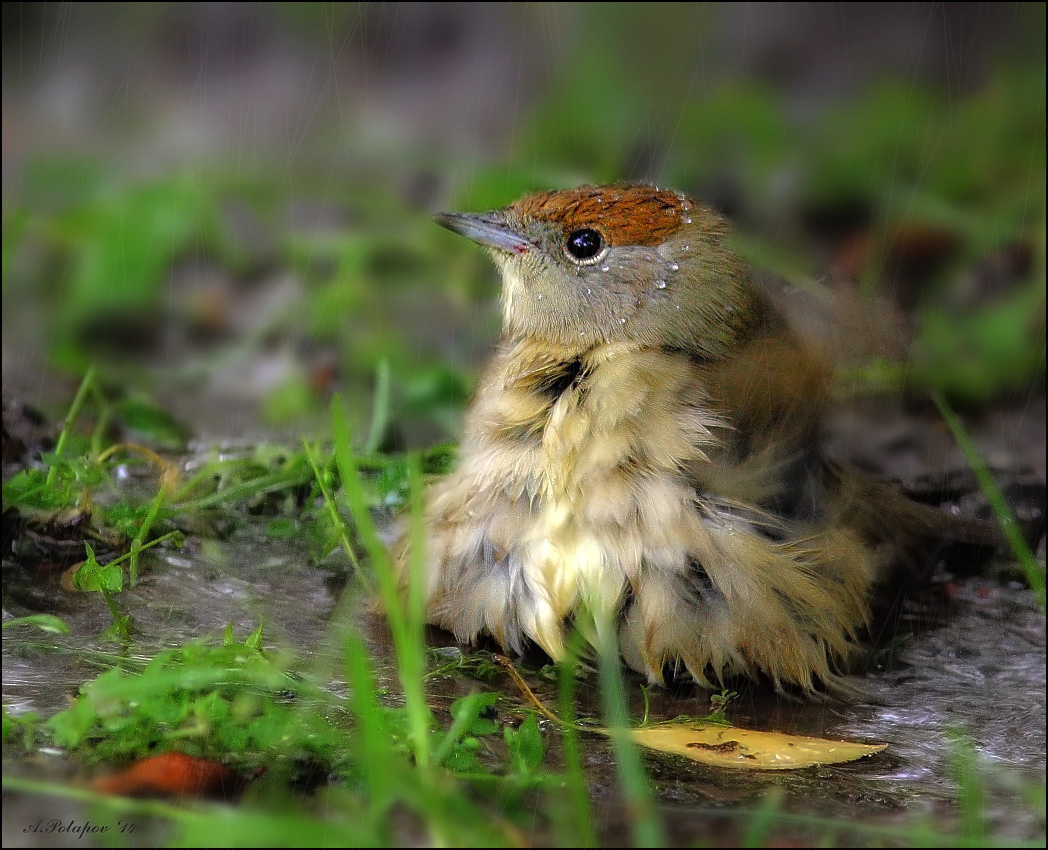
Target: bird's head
617, 263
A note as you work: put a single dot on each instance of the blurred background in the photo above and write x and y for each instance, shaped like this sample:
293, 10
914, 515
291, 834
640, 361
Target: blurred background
226, 205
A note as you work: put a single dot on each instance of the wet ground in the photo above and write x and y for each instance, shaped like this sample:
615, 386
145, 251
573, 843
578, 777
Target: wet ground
969, 666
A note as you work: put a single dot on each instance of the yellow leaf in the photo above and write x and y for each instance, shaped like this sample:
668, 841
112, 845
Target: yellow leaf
726, 746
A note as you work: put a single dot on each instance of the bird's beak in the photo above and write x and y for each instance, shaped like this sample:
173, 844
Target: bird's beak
489, 229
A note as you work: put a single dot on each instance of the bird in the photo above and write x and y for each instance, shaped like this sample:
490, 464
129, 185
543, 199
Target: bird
642, 456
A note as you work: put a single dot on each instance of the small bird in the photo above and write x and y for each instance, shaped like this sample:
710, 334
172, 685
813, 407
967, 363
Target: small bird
643, 451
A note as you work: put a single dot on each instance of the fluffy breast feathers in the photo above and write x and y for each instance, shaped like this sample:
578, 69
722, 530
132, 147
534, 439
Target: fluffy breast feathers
581, 493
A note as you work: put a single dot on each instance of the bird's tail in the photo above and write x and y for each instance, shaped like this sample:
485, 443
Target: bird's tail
883, 516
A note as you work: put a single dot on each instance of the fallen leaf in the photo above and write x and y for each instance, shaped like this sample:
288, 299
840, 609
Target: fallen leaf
726, 746
171, 775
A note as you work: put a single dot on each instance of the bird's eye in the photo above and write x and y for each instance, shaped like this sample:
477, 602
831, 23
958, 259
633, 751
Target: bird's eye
585, 246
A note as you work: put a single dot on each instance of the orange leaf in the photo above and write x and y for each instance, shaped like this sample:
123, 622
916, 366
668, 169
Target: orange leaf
171, 775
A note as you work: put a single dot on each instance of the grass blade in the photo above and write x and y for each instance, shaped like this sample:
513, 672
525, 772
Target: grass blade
1032, 570
404, 623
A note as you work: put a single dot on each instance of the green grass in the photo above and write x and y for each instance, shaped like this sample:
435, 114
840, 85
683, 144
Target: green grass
236, 703
1032, 570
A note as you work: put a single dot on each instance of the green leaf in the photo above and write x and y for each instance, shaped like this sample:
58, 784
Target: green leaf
47, 622
283, 528
151, 425
95, 576
468, 710
254, 640
525, 745
124, 244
